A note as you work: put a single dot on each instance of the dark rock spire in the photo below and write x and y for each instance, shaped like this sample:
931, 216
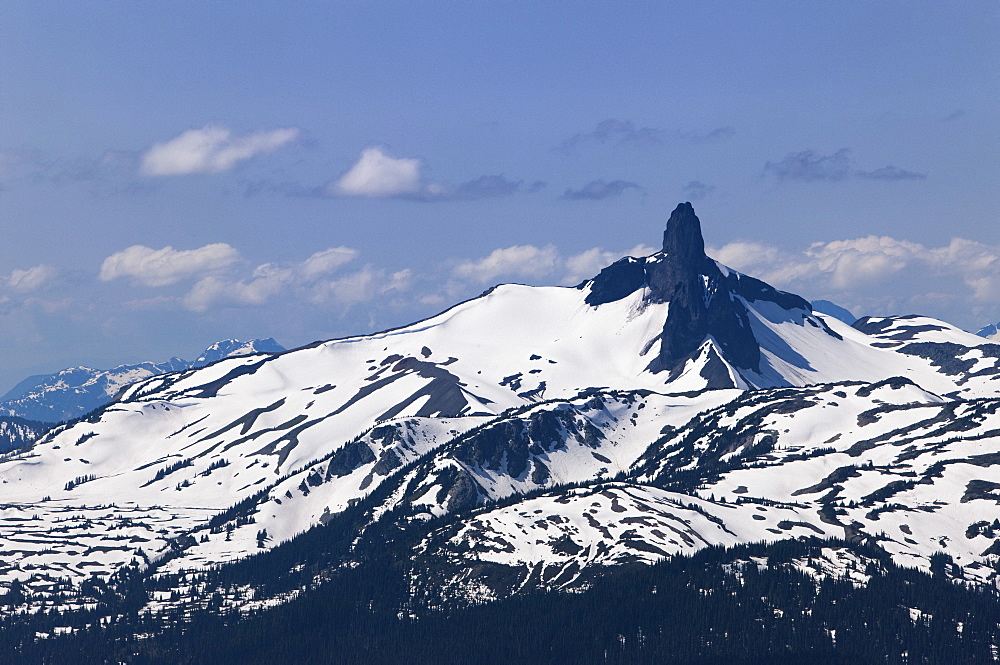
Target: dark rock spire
682, 237
703, 301
701, 304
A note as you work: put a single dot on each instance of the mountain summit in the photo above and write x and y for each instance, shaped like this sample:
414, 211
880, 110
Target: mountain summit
707, 301
682, 238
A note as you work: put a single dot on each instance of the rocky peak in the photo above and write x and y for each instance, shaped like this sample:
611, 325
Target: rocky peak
701, 301
704, 301
682, 238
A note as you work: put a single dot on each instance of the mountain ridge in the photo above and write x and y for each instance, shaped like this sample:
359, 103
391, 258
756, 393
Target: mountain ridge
557, 430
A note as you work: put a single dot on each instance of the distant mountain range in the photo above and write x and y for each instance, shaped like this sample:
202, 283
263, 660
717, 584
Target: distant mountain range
73, 392
530, 439
17, 432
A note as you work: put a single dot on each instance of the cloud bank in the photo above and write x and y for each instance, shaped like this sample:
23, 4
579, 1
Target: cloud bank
876, 270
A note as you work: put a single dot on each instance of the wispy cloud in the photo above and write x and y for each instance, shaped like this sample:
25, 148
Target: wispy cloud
807, 165
596, 190
112, 173
166, 266
327, 261
361, 286
531, 262
212, 291
615, 131
32, 279
624, 132
211, 149
891, 173
716, 134
317, 280
483, 187
696, 189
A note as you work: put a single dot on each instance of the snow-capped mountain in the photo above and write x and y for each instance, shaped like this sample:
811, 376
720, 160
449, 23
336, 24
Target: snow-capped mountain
75, 391
543, 433
233, 348
991, 332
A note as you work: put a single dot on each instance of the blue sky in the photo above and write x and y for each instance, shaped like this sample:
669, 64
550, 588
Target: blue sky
173, 173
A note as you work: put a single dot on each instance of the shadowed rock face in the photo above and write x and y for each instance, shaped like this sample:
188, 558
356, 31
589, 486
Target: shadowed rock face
700, 302
703, 300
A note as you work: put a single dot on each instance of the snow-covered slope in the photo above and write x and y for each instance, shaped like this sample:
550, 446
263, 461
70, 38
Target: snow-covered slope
834, 310
654, 390
75, 391
886, 462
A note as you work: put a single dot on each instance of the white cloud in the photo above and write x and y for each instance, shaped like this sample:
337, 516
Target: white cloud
302, 280
49, 306
586, 265
162, 267
401, 280
852, 263
348, 290
528, 261
435, 299
267, 281
211, 149
863, 267
518, 261
327, 261
361, 286
980, 264
376, 174
744, 255
31, 279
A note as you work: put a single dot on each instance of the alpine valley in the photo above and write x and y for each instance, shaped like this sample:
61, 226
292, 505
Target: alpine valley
671, 462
